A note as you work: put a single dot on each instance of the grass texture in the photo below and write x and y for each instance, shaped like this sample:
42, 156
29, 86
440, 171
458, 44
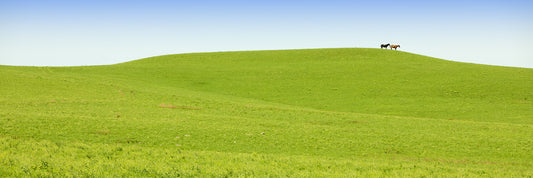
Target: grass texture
286, 113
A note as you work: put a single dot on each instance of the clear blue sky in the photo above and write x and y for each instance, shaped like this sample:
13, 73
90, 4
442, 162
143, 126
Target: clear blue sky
66, 33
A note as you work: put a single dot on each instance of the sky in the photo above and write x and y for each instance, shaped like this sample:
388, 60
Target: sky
101, 32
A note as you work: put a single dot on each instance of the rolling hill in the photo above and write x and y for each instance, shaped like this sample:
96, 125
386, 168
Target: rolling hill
314, 112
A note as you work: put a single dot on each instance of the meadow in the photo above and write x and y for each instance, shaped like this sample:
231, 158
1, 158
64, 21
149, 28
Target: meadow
349, 112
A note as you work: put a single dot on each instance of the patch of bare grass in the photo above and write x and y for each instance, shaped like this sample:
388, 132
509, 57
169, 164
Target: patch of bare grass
177, 107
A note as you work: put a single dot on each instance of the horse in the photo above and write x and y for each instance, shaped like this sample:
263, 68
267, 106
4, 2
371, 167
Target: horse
394, 46
385, 45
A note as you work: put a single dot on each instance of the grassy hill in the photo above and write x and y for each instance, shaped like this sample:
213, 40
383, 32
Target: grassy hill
319, 112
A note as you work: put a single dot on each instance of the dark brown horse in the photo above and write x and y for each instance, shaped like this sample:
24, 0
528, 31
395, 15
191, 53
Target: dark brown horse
394, 46
385, 45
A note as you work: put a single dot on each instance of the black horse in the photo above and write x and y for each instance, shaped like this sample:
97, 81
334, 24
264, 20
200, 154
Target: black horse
385, 45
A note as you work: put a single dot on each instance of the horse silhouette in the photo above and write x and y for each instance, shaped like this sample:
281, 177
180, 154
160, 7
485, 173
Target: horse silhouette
385, 45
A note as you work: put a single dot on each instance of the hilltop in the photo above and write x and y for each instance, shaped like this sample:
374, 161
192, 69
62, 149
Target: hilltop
315, 112
369, 81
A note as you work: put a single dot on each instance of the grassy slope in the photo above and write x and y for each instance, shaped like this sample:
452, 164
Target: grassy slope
361, 80
323, 112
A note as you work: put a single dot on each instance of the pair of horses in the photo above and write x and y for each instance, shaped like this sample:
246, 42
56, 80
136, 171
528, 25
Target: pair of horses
391, 46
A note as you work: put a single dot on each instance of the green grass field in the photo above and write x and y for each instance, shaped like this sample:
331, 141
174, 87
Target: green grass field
313, 113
